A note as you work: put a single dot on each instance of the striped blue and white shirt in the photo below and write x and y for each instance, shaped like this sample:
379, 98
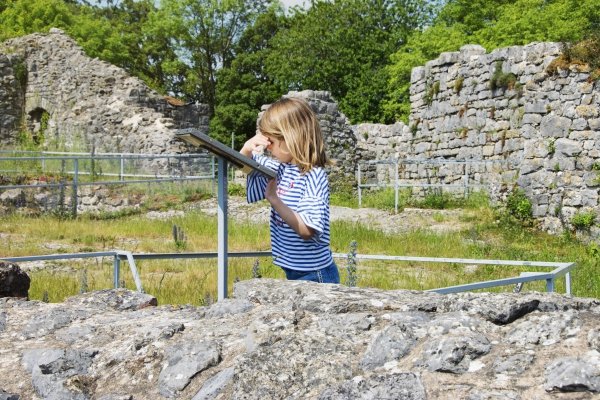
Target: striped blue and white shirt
308, 195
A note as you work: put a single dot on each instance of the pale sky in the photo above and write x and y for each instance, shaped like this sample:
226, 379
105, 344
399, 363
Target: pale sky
291, 3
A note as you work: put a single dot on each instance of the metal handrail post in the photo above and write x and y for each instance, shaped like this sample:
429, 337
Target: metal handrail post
466, 181
116, 271
568, 282
75, 182
222, 230
134, 272
121, 167
550, 285
358, 177
396, 187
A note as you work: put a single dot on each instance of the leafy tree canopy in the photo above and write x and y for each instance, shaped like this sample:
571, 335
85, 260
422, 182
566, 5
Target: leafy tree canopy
203, 34
343, 47
243, 87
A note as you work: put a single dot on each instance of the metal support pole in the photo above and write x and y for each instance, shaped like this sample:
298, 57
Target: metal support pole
396, 188
222, 230
568, 283
116, 271
550, 285
121, 167
75, 182
358, 186
212, 172
466, 181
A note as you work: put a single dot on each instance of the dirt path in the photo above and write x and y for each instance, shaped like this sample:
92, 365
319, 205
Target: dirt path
388, 222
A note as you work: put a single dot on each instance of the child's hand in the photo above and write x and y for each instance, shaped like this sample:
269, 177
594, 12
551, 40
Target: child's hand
255, 144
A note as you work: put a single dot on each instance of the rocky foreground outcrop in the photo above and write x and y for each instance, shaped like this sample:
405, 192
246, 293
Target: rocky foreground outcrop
298, 340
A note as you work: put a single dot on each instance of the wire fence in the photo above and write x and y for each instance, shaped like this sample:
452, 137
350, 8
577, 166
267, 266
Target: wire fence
55, 180
459, 177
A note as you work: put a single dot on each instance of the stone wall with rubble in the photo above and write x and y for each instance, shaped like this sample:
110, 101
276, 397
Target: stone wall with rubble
70, 101
541, 133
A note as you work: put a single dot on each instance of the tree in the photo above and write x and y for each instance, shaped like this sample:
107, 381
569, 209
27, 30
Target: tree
203, 35
343, 47
243, 87
22, 17
142, 49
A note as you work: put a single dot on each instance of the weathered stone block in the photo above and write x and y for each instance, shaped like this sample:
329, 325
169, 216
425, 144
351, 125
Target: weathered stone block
13, 281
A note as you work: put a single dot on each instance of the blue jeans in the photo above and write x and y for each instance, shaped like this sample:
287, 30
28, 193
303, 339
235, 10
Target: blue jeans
325, 275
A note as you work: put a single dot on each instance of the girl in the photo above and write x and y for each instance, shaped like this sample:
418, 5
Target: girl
299, 197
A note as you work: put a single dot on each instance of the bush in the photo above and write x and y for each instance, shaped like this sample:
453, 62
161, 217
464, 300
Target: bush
583, 220
518, 205
437, 199
585, 52
236, 189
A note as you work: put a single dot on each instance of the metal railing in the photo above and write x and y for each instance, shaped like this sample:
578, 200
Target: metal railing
559, 270
84, 169
117, 162
465, 183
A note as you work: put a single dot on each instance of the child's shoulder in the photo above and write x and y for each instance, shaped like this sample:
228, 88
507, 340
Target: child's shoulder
317, 174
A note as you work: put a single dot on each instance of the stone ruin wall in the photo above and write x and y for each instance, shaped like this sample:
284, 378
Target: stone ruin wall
11, 95
92, 105
543, 135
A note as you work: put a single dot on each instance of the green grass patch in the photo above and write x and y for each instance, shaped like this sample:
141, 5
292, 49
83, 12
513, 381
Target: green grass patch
489, 236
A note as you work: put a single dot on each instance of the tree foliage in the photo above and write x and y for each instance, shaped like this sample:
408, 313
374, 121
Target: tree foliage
203, 34
236, 55
343, 47
243, 87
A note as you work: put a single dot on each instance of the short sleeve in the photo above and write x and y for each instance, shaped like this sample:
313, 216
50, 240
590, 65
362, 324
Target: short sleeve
313, 207
256, 183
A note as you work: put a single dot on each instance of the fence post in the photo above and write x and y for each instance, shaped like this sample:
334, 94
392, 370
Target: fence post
92, 164
61, 189
75, 182
358, 186
396, 188
466, 180
121, 167
116, 271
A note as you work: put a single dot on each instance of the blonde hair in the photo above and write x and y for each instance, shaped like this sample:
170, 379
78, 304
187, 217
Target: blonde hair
293, 121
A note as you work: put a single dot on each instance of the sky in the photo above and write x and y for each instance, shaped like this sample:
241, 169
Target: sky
291, 3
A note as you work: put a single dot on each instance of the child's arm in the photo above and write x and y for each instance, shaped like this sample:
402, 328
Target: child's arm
289, 216
257, 183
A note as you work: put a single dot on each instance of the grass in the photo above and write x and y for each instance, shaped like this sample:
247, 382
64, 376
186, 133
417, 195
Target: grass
492, 234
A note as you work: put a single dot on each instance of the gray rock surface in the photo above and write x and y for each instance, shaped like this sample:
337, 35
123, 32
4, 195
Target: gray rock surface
299, 340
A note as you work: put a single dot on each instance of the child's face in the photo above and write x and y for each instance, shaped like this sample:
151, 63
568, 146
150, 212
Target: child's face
279, 150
